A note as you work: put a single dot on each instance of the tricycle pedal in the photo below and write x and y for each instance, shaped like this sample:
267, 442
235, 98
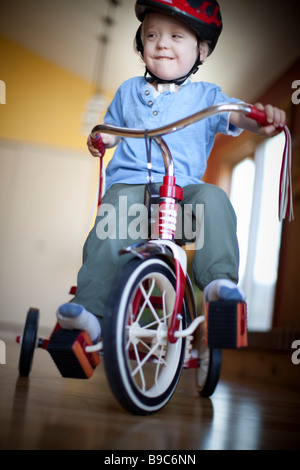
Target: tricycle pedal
226, 324
67, 349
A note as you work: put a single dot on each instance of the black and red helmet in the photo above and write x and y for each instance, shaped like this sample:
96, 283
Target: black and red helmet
203, 16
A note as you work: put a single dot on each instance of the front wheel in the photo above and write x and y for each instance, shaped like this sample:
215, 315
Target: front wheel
142, 366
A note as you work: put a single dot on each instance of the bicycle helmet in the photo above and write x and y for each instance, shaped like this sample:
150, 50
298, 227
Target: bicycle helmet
203, 16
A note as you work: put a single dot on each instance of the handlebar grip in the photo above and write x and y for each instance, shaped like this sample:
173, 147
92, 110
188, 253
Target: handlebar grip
98, 144
259, 116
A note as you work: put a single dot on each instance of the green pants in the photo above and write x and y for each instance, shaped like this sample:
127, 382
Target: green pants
120, 222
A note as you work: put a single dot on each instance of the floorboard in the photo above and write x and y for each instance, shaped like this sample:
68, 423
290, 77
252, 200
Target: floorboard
46, 411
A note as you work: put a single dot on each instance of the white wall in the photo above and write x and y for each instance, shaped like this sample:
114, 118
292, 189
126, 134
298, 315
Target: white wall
46, 198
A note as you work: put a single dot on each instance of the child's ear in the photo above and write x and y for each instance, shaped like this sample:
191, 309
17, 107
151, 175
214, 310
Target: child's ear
204, 50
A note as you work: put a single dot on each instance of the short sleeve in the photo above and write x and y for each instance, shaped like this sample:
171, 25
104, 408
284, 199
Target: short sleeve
221, 122
114, 113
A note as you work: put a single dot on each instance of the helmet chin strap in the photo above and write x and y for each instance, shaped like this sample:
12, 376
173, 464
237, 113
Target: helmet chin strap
178, 81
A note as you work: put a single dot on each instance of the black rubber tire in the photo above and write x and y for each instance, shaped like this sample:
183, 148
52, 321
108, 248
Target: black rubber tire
208, 372
122, 358
28, 343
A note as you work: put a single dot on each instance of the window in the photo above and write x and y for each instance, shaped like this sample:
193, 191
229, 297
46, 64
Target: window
254, 195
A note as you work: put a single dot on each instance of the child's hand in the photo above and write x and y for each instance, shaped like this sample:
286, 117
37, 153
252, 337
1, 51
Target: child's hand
275, 118
107, 140
96, 149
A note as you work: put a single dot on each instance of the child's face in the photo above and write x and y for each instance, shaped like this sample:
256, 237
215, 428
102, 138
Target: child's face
170, 47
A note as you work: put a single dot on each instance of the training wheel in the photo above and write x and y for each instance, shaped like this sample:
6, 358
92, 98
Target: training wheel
28, 342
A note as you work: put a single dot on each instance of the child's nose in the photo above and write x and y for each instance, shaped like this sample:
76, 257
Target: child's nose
162, 42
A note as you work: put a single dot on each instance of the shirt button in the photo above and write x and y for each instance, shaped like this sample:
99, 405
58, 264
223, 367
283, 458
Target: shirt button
155, 113
147, 92
150, 103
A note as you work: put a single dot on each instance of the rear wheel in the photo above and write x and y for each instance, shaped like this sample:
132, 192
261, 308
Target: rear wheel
142, 366
208, 372
28, 342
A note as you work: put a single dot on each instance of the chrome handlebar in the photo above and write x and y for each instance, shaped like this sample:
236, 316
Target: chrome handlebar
156, 134
175, 126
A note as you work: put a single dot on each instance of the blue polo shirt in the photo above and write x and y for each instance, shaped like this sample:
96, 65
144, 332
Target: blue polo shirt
137, 105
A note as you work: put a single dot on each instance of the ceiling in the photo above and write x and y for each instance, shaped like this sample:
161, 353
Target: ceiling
259, 41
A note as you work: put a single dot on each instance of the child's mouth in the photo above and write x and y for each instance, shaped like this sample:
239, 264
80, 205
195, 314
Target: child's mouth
164, 58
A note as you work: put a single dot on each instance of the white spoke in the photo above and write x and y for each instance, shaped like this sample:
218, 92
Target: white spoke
164, 306
146, 297
160, 362
147, 300
166, 315
129, 340
139, 368
140, 365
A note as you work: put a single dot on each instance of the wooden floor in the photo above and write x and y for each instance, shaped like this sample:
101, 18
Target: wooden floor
47, 411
